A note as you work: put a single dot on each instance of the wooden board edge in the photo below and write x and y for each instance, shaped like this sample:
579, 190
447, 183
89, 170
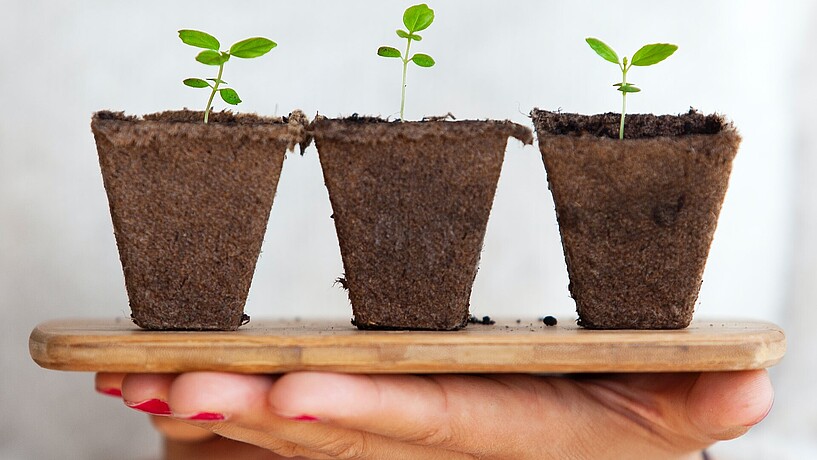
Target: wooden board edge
50, 351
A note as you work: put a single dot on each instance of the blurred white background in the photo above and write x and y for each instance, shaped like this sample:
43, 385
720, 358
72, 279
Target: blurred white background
61, 61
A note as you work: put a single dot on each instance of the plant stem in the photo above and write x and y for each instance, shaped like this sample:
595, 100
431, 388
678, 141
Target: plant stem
623, 99
213, 93
405, 66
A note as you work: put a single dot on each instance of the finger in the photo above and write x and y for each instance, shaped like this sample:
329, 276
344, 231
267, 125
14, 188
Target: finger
176, 430
217, 448
724, 405
109, 384
459, 413
147, 392
684, 412
238, 408
214, 400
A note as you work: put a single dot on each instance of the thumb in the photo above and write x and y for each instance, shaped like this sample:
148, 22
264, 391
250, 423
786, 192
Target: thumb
725, 405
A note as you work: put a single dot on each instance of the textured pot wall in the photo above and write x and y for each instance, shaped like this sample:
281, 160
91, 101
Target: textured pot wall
411, 203
636, 219
190, 204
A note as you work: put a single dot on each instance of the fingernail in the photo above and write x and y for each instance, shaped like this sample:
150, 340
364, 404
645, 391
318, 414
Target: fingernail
305, 418
151, 406
204, 417
115, 392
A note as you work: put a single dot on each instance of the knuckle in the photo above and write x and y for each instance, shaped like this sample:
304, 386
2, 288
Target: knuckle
284, 449
434, 436
349, 445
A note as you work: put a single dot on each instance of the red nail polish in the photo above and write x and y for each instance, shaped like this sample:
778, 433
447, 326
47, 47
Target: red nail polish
151, 406
305, 418
115, 392
206, 417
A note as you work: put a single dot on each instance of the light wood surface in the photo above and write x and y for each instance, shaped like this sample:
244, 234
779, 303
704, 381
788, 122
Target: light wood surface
267, 346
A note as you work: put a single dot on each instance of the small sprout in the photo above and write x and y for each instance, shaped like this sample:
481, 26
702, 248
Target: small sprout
647, 55
415, 18
245, 49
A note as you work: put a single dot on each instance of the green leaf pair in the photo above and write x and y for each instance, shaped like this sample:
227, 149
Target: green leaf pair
229, 95
647, 55
246, 49
415, 18
422, 60
627, 88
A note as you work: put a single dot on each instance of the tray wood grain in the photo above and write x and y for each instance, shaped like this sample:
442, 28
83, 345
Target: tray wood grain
273, 346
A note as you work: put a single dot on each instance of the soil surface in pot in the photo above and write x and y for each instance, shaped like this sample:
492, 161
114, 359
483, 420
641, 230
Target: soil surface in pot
411, 202
190, 204
637, 215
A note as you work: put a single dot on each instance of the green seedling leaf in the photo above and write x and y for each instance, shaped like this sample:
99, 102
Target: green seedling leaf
403, 34
248, 48
199, 39
602, 49
418, 17
210, 57
423, 60
230, 96
389, 52
252, 47
628, 88
653, 54
196, 83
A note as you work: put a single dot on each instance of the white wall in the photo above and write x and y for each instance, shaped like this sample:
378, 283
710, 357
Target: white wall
61, 61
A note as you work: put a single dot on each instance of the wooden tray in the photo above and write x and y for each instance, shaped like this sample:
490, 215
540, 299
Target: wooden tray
266, 346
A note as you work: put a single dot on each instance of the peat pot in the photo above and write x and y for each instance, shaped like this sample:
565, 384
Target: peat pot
637, 215
411, 202
190, 203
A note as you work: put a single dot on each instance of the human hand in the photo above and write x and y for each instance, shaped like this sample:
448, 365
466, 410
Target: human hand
326, 415
184, 441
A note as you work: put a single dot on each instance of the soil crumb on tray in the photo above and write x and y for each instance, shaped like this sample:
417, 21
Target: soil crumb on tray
486, 320
549, 321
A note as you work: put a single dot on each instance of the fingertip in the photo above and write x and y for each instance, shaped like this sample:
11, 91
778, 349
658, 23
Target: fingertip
218, 394
726, 404
109, 383
142, 387
311, 396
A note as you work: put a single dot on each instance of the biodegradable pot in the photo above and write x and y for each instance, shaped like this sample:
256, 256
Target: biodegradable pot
411, 202
190, 204
637, 215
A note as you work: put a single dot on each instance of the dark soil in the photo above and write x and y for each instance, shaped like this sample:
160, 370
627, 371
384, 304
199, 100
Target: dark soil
636, 126
550, 321
485, 320
636, 216
411, 202
190, 204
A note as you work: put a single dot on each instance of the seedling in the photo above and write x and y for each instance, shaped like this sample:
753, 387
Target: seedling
647, 55
415, 18
245, 49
